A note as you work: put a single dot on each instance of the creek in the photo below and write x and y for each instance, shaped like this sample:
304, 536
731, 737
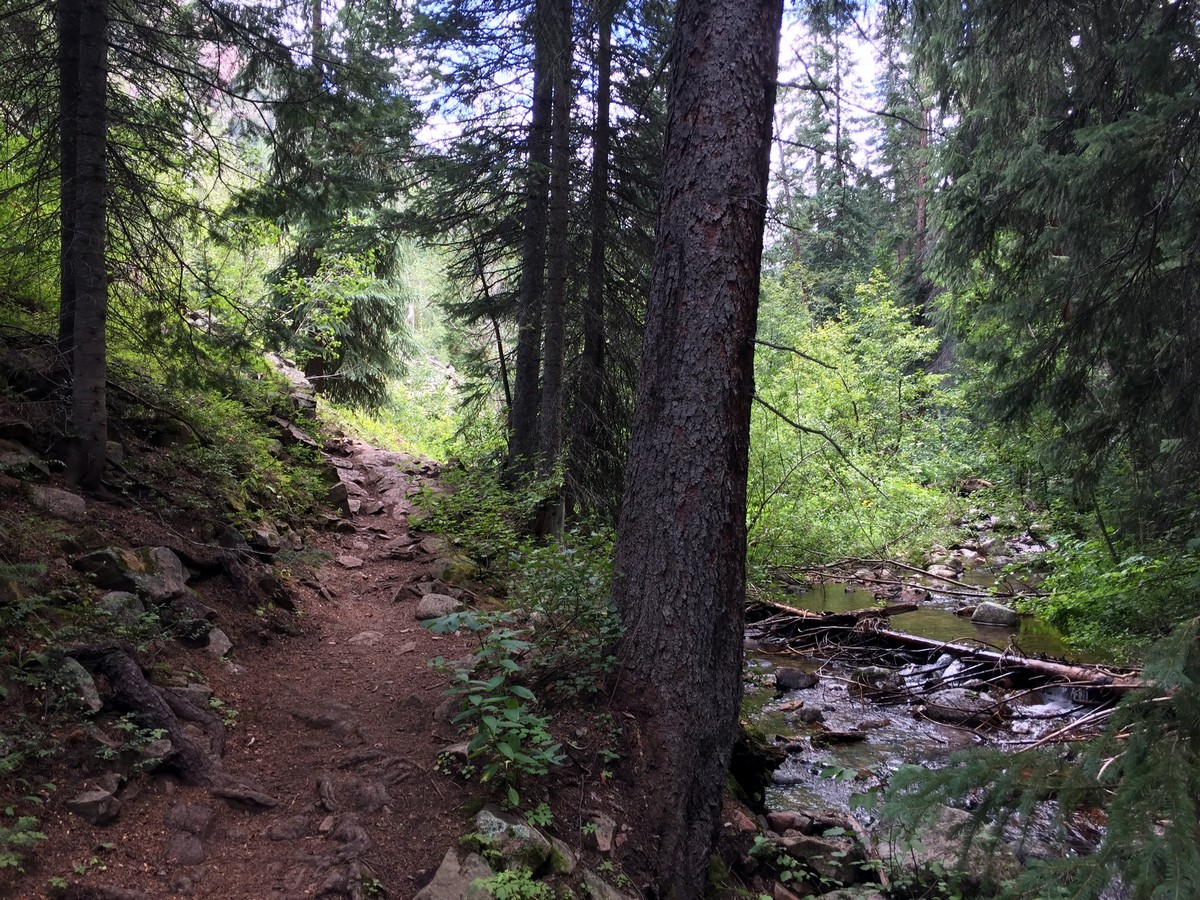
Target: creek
844, 736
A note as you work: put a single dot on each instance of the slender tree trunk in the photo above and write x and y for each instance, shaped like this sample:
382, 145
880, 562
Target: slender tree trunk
69, 15
588, 403
89, 415
523, 414
554, 347
681, 544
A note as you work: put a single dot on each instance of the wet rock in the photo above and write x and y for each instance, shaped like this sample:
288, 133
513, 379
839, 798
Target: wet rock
791, 679
912, 594
97, 806
123, 608
349, 562
84, 686
434, 606
988, 613
788, 820
290, 829
218, 643
60, 504
185, 849
961, 707
939, 570
454, 878
518, 843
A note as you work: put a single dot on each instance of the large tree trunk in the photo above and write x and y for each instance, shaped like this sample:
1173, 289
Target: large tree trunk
89, 416
588, 406
69, 15
523, 414
681, 544
554, 348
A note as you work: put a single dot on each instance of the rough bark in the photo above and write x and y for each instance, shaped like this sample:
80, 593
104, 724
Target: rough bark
554, 346
588, 407
69, 15
89, 416
680, 582
523, 413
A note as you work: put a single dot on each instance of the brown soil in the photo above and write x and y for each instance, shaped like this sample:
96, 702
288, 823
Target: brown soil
347, 704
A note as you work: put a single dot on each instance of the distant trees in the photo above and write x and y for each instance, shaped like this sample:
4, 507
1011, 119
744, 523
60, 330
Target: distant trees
680, 567
1070, 218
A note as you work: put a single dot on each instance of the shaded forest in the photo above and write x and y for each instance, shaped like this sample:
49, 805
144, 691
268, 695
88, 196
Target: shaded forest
691, 300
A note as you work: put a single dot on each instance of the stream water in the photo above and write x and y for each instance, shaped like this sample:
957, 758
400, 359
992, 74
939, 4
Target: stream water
843, 741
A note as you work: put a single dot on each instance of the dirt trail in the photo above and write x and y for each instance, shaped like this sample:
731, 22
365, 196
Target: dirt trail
337, 724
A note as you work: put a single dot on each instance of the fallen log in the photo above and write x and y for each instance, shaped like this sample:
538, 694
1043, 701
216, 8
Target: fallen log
792, 629
1080, 674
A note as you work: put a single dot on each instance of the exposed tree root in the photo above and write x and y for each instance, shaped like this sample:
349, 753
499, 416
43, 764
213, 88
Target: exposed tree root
117, 662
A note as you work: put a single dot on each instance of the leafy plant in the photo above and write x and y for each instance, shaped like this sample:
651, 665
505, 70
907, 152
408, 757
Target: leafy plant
514, 884
17, 839
510, 740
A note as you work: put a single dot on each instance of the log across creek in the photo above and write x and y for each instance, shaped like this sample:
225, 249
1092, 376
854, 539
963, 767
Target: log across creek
781, 628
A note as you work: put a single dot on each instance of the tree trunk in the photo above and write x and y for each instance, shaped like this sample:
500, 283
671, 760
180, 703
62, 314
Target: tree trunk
588, 408
523, 414
680, 582
69, 15
554, 348
89, 416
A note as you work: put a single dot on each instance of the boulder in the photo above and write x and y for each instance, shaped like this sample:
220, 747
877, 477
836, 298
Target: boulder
454, 878
960, 707
97, 806
938, 570
19, 459
936, 848
434, 606
123, 608
831, 858
518, 843
339, 498
265, 539
60, 504
454, 568
218, 643
599, 889
84, 686
792, 679
156, 571
988, 613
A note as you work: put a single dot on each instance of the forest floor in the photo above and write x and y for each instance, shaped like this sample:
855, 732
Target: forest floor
336, 723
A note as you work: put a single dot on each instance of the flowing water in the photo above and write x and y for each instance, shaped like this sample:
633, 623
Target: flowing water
842, 741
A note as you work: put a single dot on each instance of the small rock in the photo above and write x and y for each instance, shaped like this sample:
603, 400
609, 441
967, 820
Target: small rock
599, 889
196, 694
326, 825
366, 638
779, 892
185, 849
408, 647
349, 562
266, 540
339, 498
85, 692
156, 752
454, 877
60, 504
792, 679
434, 606
743, 823
601, 839
97, 806
988, 613
289, 829
788, 820
218, 643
